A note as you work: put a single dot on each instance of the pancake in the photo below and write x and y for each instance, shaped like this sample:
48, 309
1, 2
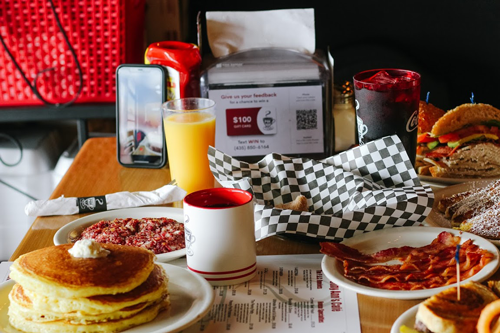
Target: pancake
21, 307
95, 288
54, 272
61, 326
154, 288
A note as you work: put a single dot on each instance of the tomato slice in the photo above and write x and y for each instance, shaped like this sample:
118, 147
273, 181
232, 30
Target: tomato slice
467, 131
450, 137
425, 137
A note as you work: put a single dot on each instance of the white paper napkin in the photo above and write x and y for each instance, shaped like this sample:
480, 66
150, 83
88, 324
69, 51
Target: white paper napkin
73, 205
292, 29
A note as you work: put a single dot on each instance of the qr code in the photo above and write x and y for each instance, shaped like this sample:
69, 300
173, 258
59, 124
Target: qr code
307, 119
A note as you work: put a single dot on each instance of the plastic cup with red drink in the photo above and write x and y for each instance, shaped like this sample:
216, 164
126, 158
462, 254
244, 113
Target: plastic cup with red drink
387, 103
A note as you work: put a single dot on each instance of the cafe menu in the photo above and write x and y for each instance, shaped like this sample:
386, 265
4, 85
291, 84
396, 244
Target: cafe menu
289, 293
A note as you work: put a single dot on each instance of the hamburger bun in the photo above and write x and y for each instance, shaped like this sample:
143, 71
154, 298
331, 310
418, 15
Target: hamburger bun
465, 115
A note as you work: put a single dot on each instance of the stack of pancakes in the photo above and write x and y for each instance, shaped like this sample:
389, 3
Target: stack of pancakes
56, 292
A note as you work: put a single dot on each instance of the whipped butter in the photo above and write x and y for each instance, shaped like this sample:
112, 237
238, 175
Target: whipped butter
88, 248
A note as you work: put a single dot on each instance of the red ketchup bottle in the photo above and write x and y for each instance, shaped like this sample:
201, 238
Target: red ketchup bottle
182, 61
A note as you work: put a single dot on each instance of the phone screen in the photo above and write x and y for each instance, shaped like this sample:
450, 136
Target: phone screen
140, 94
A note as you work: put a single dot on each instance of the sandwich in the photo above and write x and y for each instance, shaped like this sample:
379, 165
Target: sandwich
443, 312
428, 114
463, 142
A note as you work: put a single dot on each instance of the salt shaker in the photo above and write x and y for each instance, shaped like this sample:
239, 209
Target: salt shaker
344, 116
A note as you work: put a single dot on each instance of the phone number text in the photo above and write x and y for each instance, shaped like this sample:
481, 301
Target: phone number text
250, 147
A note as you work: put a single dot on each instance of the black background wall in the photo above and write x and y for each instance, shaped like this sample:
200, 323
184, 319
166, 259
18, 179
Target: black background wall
455, 45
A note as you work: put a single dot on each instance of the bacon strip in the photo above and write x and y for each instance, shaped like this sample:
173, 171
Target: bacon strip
343, 252
429, 266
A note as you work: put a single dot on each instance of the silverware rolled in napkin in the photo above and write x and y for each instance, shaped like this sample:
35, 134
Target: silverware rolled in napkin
69, 206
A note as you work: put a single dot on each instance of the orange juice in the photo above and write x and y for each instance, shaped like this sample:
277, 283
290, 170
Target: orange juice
188, 136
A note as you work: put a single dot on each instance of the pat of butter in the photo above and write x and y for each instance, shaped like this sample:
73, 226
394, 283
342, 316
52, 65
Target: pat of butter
87, 248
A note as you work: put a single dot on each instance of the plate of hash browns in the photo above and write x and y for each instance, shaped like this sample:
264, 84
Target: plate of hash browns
158, 229
408, 262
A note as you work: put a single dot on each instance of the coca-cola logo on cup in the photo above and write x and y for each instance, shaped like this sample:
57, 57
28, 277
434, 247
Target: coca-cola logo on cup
412, 123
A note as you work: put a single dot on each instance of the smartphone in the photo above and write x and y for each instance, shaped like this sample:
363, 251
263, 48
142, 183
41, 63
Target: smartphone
140, 93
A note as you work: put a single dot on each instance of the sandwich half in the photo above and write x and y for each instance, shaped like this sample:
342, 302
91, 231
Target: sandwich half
444, 313
464, 142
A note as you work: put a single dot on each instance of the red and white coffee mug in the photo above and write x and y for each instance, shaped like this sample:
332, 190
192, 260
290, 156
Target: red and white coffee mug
220, 235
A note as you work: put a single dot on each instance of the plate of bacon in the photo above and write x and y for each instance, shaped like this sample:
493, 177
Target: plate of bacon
408, 262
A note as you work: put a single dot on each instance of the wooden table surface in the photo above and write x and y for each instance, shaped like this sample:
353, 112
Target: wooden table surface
95, 171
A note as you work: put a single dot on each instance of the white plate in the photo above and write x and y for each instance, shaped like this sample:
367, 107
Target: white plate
437, 219
451, 181
407, 318
191, 298
62, 235
374, 241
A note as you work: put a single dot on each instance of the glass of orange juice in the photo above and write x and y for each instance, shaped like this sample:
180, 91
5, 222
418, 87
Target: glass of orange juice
189, 125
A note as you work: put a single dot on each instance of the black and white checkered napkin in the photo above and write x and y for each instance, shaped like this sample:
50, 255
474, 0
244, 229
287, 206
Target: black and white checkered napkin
366, 188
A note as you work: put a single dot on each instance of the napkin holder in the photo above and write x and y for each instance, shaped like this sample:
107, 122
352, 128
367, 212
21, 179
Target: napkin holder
271, 100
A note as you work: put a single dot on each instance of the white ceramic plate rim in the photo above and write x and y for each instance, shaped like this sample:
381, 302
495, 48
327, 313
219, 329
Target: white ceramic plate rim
395, 237
437, 219
61, 236
184, 286
449, 181
407, 318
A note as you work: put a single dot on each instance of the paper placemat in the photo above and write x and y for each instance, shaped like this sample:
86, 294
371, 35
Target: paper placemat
289, 293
